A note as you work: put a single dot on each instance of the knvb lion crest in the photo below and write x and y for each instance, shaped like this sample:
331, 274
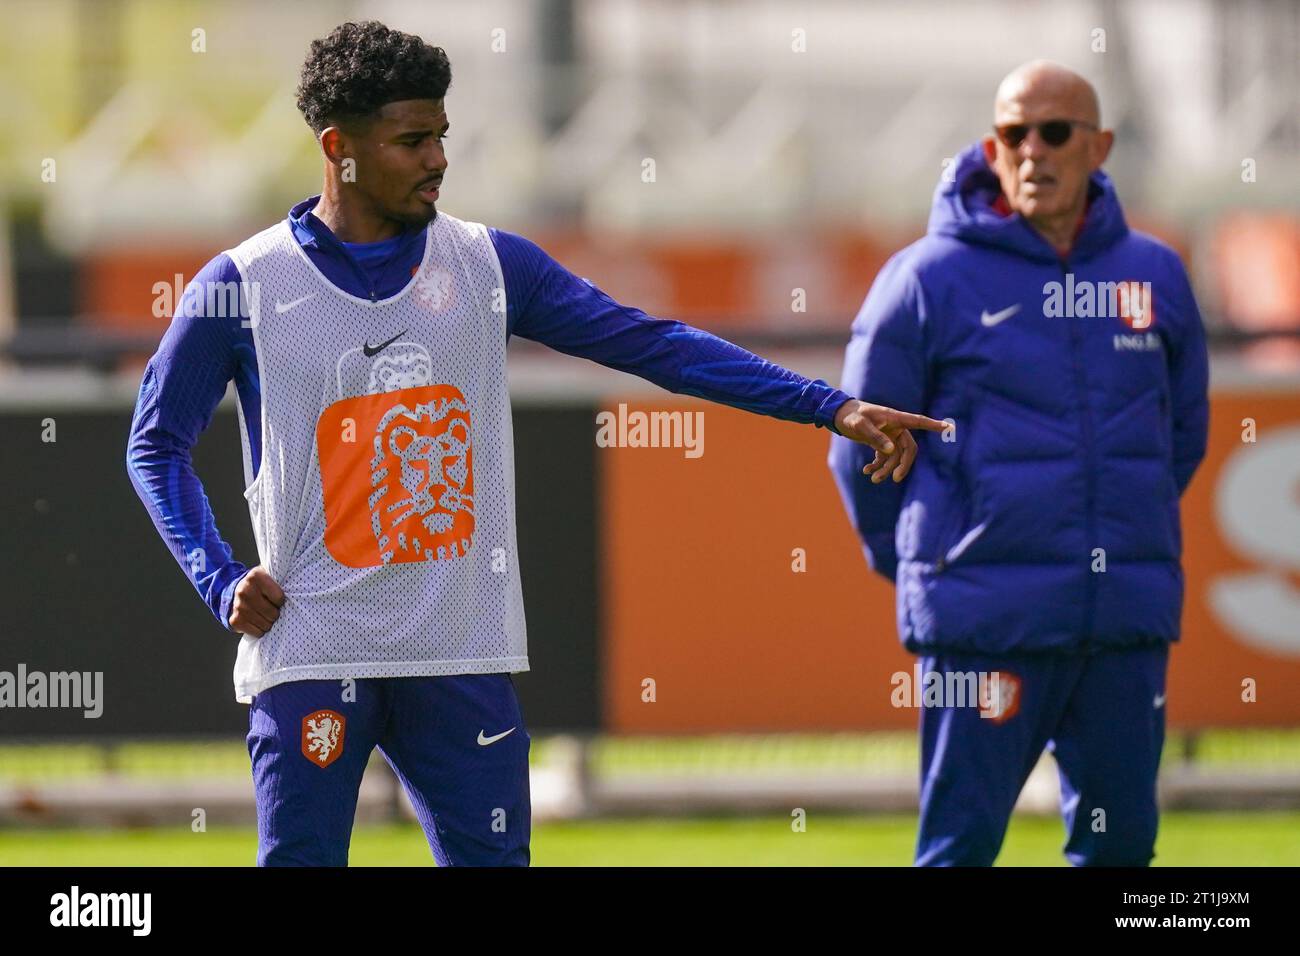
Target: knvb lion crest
1136, 305
435, 290
999, 696
322, 737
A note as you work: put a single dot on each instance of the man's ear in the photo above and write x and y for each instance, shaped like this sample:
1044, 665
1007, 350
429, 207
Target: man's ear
1105, 140
333, 145
990, 151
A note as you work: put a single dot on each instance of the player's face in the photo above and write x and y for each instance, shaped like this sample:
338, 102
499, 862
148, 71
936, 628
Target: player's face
401, 161
1042, 181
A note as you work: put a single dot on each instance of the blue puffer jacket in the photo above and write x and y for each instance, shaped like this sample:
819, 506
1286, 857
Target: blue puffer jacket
1048, 520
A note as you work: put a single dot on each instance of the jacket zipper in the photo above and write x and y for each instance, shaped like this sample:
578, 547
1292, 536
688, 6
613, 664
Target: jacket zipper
1090, 472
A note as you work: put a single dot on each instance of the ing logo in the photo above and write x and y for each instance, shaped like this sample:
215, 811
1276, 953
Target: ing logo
403, 490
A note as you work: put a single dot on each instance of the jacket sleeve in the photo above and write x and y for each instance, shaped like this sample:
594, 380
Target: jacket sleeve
885, 364
182, 386
1188, 381
547, 303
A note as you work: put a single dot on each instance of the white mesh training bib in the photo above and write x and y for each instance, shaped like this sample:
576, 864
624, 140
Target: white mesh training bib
384, 503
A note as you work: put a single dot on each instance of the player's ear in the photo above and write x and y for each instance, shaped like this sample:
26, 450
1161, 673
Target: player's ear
333, 145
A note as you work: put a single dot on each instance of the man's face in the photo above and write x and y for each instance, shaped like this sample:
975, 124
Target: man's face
1042, 181
400, 159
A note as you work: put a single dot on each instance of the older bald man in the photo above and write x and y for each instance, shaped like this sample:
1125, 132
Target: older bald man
1036, 545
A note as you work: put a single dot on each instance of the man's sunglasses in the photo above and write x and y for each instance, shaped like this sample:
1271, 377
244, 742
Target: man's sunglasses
1054, 132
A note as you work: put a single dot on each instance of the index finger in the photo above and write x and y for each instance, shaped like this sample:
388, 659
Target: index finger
913, 421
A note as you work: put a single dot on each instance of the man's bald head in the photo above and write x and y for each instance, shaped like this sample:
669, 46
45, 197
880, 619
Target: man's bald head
1044, 169
1043, 80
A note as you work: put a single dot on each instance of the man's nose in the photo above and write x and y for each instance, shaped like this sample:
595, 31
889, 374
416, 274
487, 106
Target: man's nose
1034, 146
436, 159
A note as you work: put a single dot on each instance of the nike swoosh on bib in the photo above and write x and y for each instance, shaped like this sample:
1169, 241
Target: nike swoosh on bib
993, 319
484, 741
372, 350
282, 307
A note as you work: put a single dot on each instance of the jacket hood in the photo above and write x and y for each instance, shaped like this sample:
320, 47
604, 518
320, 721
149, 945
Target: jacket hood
963, 209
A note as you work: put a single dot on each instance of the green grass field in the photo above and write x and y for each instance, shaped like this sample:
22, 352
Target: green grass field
1186, 839
874, 753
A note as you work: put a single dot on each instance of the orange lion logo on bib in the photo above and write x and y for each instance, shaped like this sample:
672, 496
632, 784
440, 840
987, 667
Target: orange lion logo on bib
397, 470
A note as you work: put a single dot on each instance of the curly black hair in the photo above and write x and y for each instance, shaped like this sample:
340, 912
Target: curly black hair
359, 67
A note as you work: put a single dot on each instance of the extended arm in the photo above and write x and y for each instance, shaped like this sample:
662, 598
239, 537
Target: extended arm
551, 305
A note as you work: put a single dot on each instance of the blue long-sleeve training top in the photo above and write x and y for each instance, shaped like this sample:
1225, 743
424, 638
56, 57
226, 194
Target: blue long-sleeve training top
200, 353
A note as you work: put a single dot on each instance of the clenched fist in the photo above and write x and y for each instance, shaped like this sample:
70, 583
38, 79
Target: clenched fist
257, 603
